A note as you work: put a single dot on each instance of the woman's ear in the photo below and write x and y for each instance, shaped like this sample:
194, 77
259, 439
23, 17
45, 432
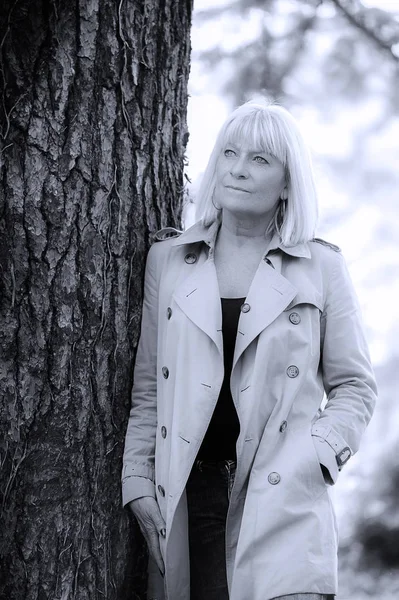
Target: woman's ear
284, 194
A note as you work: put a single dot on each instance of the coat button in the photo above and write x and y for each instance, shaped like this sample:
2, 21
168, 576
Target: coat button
274, 478
163, 431
283, 426
190, 258
245, 307
161, 490
295, 318
292, 371
168, 312
165, 372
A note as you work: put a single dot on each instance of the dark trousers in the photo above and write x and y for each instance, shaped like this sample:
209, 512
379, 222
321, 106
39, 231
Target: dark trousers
208, 494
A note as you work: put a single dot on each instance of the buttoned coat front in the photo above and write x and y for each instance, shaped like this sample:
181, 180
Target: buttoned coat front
301, 337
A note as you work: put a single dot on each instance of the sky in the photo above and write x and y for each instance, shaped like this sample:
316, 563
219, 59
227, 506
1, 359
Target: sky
391, 5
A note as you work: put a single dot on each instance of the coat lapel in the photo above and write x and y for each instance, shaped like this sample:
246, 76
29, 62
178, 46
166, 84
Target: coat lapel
270, 293
199, 298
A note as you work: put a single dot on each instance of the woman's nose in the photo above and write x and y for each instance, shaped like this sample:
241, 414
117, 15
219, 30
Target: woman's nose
239, 169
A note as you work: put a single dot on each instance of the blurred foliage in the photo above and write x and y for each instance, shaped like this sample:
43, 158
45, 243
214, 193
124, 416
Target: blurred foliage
377, 530
369, 556
361, 42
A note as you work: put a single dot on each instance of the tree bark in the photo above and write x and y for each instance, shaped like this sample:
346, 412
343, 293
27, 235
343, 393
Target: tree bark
93, 135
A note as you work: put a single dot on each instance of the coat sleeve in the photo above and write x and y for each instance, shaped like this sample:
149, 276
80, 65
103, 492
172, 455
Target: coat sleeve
139, 452
347, 374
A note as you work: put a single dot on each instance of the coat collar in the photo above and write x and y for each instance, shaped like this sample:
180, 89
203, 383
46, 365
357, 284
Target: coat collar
269, 294
199, 233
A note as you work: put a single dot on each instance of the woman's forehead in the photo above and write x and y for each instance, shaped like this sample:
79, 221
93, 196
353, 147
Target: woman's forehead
257, 139
258, 136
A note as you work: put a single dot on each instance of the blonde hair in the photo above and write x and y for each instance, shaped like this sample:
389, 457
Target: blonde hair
273, 129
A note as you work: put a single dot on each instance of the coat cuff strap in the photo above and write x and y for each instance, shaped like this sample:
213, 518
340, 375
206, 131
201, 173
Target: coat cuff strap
137, 470
136, 487
335, 441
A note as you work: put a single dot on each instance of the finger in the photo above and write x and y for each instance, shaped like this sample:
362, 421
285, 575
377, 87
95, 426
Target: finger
155, 551
152, 525
148, 526
158, 520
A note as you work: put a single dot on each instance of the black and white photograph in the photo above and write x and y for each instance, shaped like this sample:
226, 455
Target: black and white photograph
199, 258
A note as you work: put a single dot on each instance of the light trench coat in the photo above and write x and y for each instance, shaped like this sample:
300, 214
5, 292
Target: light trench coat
299, 335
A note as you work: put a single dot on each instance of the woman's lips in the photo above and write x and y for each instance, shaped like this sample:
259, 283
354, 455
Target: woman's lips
238, 189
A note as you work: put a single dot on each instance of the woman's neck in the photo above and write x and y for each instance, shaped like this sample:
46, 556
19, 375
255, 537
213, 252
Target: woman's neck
239, 232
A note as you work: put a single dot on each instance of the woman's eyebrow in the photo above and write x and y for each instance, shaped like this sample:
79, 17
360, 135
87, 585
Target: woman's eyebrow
265, 152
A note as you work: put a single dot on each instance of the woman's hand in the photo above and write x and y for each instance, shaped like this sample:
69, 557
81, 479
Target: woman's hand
151, 523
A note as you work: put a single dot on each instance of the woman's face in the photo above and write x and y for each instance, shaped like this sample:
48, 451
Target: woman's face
248, 181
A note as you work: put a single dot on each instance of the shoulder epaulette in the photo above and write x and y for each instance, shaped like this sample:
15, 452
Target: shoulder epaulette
328, 244
165, 233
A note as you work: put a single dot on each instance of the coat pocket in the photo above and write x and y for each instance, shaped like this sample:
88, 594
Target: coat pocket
319, 483
310, 474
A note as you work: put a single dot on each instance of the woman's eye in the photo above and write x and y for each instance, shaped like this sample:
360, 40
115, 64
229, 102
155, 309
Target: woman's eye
229, 152
260, 160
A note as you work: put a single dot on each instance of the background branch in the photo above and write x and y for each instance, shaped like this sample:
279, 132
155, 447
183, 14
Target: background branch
361, 18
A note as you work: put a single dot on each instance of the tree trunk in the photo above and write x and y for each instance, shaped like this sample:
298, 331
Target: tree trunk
93, 134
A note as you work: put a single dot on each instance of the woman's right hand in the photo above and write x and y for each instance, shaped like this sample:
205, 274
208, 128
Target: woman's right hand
152, 525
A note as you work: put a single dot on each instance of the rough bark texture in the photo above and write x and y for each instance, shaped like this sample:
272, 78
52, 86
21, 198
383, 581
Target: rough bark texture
93, 134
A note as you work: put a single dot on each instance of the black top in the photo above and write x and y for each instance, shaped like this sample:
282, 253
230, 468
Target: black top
220, 439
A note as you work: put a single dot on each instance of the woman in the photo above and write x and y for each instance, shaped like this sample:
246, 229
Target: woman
247, 312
